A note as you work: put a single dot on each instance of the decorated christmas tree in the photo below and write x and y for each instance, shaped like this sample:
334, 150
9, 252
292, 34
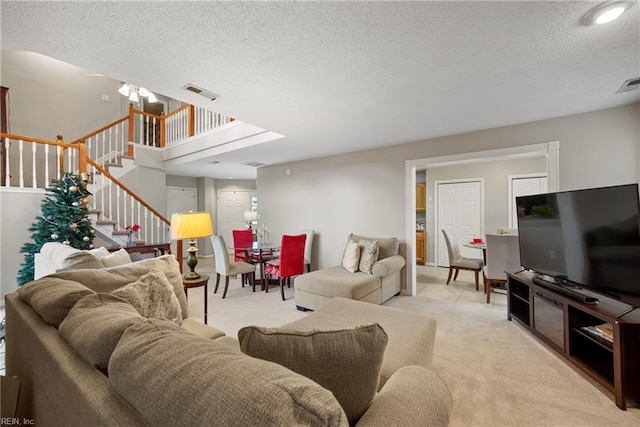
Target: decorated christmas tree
64, 218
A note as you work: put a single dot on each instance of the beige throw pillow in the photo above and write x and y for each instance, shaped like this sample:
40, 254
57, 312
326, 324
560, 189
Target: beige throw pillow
115, 259
152, 296
95, 324
368, 255
351, 257
346, 362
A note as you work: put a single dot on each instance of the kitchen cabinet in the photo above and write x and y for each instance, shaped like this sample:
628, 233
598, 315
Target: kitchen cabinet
421, 197
420, 247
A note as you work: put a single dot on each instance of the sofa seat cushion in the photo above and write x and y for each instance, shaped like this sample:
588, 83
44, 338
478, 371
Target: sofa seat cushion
109, 279
411, 335
52, 298
336, 281
346, 362
95, 324
175, 378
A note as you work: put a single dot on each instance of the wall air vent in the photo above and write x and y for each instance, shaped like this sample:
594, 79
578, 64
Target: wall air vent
629, 85
254, 164
200, 91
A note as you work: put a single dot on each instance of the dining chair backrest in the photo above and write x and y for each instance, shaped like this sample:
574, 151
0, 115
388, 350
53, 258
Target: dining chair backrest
292, 255
221, 255
503, 254
242, 239
452, 246
308, 243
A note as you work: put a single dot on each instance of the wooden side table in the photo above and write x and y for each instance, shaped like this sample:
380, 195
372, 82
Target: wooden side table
203, 280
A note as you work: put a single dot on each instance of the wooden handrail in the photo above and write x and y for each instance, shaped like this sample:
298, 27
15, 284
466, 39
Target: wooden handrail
177, 110
102, 129
127, 190
144, 113
38, 140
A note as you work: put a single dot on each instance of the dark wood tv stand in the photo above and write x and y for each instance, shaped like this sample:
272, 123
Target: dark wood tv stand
561, 322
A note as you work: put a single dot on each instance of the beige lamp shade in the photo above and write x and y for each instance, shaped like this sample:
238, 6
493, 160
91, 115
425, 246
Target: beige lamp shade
250, 216
191, 225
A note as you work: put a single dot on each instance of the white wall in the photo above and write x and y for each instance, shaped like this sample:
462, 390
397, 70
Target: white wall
18, 211
49, 97
364, 192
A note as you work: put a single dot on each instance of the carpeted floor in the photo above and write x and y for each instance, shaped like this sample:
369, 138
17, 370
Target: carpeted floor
498, 374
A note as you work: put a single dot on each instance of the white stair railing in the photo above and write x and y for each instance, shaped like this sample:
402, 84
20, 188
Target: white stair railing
119, 204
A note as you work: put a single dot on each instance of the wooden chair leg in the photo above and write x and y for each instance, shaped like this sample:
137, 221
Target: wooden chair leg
450, 273
282, 280
308, 268
476, 274
226, 286
217, 283
455, 277
252, 278
487, 289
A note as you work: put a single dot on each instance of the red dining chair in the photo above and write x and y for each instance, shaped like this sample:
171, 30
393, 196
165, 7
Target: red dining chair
291, 262
242, 239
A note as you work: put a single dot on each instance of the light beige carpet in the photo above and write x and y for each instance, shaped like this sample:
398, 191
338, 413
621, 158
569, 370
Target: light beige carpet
498, 374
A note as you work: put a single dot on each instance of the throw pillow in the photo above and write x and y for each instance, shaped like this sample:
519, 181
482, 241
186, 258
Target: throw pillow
351, 257
95, 324
368, 255
152, 296
115, 259
52, 298
157, 367
346, 362
80, 260
108, 279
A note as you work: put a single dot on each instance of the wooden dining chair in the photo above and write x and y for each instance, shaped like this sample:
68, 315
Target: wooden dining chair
503, 254
290, 263
308, 244
226, 268
457, 262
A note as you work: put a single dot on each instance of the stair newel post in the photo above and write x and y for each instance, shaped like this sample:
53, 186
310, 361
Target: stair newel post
192, 120
61, 158
132, 125
82, 157
163, 130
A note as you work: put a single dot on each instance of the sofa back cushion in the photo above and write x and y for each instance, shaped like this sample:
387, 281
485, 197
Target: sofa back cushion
52, 298
347, 362
95, 324
175, 378
109, 279
387, 246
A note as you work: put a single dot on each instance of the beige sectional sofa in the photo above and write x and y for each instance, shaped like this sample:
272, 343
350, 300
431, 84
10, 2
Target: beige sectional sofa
315, 288
86, 355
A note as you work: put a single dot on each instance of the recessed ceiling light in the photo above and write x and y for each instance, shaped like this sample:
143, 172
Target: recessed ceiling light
606, 12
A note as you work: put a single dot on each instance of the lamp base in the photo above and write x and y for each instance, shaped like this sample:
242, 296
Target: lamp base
192, 261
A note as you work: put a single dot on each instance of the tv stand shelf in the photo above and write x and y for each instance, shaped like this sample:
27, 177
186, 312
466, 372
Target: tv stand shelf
567, 324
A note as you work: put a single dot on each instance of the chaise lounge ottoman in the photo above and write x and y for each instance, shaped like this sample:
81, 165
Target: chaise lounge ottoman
315, 288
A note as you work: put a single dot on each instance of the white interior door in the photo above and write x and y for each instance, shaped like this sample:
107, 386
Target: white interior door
181, 200
459, 210
231, 206
526, 185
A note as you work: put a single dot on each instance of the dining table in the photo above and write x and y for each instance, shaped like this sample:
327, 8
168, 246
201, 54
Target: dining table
478, 245
261, 253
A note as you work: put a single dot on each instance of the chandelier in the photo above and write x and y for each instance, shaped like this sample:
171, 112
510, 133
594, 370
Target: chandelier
135, 92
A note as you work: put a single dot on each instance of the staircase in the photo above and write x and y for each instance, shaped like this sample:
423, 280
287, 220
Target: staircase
101, 158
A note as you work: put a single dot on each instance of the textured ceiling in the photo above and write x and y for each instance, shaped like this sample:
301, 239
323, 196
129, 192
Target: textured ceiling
335, 77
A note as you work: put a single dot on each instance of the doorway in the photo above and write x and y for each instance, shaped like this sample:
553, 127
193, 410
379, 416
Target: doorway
231, 206
549, 150
459, 210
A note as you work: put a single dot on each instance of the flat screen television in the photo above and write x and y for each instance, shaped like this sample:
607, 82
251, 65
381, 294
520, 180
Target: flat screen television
588, 238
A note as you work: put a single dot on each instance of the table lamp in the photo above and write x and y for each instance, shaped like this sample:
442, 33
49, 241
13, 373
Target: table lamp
192, 226
249, 217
